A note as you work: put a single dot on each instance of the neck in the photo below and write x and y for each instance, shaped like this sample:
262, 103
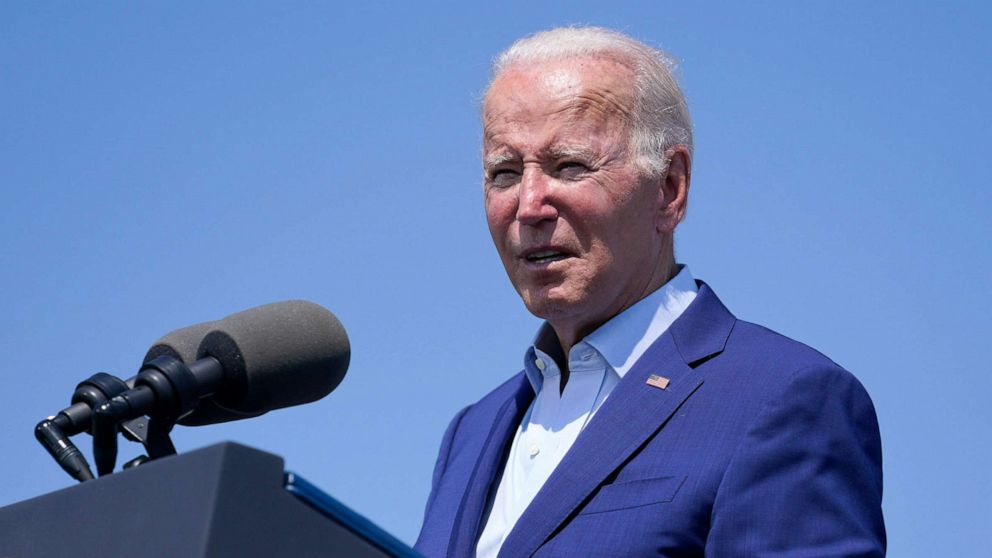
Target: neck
570, 333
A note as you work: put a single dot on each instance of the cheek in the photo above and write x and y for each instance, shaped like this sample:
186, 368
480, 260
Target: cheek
499, 215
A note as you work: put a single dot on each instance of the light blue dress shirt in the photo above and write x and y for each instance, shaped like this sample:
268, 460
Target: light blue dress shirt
556, 418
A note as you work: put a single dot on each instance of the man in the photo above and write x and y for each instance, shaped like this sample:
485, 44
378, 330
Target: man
648, 420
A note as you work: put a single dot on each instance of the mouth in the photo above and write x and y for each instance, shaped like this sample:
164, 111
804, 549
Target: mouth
545, 256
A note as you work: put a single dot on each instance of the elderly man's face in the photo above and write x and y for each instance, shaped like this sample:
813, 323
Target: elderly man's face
576, 224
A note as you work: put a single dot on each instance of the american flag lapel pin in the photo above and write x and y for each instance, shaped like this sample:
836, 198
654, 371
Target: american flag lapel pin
657, 381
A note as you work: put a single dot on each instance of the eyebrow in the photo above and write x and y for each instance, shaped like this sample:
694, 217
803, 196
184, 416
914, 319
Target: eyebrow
555, 153
571, 151
497, 159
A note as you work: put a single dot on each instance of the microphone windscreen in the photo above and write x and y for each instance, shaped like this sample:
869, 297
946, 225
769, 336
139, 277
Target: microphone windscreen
277, 355
183, 344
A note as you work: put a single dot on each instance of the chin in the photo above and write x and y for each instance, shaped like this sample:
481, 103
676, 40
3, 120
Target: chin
548, 307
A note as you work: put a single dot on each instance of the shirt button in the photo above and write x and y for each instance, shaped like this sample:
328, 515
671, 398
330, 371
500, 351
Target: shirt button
534, 450
539, 364
586, 356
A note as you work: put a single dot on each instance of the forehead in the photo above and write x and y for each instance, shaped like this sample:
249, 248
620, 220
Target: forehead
587, 92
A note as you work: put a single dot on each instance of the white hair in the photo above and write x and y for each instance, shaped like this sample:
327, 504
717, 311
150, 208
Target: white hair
660, 113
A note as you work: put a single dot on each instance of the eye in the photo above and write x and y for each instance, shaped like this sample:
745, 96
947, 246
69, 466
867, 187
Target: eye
571, 169
503, 178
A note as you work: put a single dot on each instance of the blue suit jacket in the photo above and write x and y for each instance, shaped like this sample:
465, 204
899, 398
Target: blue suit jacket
759, 446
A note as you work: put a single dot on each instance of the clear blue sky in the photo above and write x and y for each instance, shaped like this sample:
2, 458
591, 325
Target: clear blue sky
163, 166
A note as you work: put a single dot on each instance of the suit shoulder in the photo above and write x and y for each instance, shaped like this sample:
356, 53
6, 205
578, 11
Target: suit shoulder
808, 432
763, 353
750, 340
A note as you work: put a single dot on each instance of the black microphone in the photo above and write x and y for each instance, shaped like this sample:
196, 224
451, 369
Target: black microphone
277, 355
269, 357
183, 344
53, 432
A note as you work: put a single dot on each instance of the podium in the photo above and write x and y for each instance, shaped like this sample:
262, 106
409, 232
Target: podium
223, 500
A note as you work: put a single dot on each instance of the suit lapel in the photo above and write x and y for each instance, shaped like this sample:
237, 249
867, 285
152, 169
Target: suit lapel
631, 415
465, 531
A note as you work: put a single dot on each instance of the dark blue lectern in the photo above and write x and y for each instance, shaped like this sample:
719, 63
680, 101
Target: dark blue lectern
223, 500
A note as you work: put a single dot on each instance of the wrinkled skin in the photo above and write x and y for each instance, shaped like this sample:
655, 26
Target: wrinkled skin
582, 232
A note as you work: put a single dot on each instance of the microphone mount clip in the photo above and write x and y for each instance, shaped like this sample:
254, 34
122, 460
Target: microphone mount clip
164, 390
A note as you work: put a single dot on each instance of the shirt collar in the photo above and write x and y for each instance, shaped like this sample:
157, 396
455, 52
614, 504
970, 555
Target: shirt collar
625, 337
547, 340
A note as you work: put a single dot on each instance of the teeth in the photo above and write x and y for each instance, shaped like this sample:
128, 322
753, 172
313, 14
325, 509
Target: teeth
545, 256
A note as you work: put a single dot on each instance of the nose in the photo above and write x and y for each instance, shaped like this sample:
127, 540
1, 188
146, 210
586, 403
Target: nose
535, 204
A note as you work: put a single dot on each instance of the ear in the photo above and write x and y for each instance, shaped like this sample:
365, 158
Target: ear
673, 196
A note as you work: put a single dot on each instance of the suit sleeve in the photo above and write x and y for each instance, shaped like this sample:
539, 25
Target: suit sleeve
806, 480
439, 467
